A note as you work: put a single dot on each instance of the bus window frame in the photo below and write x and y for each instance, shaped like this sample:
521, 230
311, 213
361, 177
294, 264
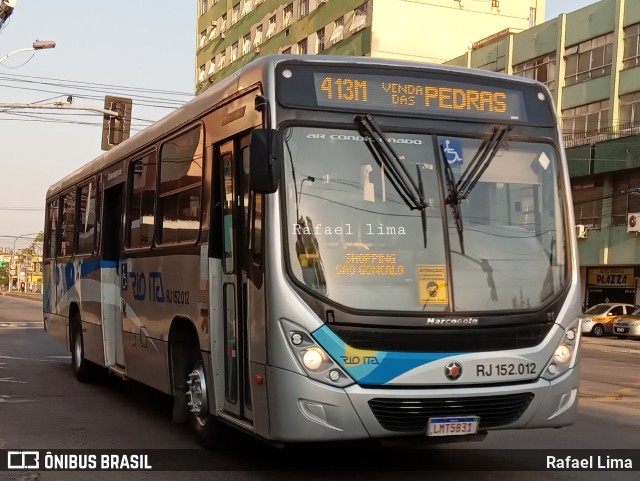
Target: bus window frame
47, 232
158, 218
79, 186
70, 191
156, 200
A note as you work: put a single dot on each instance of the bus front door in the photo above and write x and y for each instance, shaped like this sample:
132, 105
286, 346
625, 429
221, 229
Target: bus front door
235, 201
110, 281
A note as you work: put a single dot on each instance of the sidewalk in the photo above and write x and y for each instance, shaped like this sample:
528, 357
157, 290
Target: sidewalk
24, 295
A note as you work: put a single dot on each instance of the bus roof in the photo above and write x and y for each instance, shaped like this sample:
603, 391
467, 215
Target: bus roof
259, 70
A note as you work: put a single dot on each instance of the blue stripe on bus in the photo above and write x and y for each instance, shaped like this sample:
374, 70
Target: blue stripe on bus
86, 268
373, 367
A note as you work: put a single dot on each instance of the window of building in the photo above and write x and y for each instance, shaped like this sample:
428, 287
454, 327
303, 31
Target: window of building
257, 39
202, 74
287, 51
320, 40
590, 59
180, 187
52, 229
585, 121
271, 30
213, 33
303, 8
203, 38
87, 220
223, 23
587, 200
302, 46
212, 67
247, 7
142, 192
542, 69
222, 59
287, 15
626, 195
204, 5
359, 18
338, 30
631, 55
235, 14
532, 17
67, 224
246, 44
629, 110
234, 52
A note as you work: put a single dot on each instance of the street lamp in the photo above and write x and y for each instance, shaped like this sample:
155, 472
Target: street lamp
37, 45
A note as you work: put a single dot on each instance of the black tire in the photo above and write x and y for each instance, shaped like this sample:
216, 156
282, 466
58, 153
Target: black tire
82, 368
210, 432
597, 330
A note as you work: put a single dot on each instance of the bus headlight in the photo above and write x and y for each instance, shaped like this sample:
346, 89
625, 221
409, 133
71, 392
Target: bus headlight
565, 355
313, 359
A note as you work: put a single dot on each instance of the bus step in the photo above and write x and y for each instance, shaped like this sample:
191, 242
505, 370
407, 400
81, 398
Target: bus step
118, 371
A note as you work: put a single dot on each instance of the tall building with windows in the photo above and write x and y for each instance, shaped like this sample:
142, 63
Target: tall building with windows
590, 60
231, 33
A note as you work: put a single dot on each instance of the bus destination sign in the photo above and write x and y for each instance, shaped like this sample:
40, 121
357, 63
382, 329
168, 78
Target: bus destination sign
449, 98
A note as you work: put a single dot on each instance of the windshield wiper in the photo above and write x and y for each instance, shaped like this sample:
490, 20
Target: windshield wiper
458, 191
410, 191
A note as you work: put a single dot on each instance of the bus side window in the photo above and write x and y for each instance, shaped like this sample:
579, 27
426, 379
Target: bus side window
67, 224
52, 229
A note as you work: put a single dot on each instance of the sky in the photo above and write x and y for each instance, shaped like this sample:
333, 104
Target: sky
144, 49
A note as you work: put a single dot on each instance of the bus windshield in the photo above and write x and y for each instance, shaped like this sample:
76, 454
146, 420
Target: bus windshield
354, 240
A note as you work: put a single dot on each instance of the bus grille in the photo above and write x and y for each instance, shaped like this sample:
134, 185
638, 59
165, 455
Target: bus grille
412, 415
466, 339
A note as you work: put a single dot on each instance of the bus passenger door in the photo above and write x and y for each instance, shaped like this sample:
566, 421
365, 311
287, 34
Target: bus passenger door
235, 199
110, 280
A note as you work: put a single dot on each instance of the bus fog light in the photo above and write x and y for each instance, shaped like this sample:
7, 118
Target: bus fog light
296, 338
562, 354
552, 369
313, 358
334, 375
571, 334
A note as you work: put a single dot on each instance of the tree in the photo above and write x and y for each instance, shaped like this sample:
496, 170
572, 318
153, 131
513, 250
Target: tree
4, 276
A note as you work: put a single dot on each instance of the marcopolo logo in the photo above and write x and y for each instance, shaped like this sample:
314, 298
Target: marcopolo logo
452, 321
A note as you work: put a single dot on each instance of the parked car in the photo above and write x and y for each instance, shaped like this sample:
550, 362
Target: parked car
598, 319
627, 325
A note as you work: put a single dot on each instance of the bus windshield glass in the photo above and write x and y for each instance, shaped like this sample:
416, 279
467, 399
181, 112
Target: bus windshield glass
353, 240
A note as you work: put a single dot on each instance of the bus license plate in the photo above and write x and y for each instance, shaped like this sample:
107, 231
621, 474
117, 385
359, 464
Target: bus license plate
453, 426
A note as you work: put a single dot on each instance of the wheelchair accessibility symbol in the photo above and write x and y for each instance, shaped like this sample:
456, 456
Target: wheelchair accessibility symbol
452, 151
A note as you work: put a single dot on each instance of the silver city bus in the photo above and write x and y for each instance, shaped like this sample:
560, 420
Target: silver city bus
330, 248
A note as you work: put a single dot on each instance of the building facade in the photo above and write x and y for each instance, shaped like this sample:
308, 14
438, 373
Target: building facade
590, 60
231, 33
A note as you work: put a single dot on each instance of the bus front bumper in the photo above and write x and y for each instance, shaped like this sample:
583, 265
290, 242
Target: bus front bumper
303, 410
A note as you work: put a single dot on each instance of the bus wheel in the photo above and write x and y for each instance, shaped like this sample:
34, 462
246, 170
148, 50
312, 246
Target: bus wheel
597, 330
206, 426
81, 367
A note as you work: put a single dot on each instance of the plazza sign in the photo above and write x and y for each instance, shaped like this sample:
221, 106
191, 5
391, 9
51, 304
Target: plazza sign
611, 277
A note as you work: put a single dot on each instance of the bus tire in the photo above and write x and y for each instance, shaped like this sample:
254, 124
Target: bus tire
81, 367
209, 431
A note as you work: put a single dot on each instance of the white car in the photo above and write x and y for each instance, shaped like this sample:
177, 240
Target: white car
598, 320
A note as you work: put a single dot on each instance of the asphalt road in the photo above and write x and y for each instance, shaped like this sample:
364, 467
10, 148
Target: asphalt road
43, 407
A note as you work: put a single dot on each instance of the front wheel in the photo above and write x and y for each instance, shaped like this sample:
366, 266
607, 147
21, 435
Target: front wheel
210, 432
81, 367
598, 330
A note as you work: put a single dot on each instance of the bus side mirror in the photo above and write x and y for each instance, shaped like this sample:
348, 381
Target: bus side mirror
264, 170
